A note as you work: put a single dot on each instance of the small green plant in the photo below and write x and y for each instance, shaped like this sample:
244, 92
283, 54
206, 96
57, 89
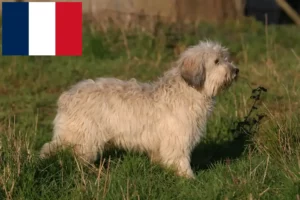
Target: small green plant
251, 122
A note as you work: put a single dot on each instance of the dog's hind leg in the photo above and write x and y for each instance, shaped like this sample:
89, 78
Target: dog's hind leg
154, 157
50, 148
87, 152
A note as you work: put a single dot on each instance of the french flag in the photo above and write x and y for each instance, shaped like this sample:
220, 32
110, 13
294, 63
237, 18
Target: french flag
42, 28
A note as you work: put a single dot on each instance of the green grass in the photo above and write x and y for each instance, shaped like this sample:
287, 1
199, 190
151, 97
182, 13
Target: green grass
241, 157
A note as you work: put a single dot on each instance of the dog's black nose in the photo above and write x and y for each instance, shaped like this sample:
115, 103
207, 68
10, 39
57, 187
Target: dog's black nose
237, 71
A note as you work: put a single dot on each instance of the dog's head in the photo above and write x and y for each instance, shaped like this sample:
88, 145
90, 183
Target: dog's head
207, 67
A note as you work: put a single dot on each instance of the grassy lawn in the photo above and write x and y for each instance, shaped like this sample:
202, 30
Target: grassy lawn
252, 148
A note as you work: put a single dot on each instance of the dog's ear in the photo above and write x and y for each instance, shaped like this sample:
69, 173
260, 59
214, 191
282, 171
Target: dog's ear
192, 71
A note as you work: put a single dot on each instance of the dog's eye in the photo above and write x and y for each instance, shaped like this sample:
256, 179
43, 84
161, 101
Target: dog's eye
217, 61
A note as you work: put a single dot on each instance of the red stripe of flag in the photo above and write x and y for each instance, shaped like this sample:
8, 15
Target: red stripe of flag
68, 28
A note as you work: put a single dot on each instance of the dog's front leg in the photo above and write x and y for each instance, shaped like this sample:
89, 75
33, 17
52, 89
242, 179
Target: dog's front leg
177, 157
184, 167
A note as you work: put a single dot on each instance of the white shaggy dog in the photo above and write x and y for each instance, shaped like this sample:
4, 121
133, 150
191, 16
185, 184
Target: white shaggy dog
165, 119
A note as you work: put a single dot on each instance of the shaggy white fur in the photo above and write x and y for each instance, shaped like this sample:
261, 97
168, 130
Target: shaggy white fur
165, 119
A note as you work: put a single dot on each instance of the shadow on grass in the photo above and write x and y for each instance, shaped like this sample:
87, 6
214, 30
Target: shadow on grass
207, 154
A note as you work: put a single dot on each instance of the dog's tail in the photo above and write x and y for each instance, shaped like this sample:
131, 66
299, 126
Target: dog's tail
50, 148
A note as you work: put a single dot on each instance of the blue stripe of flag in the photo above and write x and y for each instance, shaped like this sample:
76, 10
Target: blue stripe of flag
15, 28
